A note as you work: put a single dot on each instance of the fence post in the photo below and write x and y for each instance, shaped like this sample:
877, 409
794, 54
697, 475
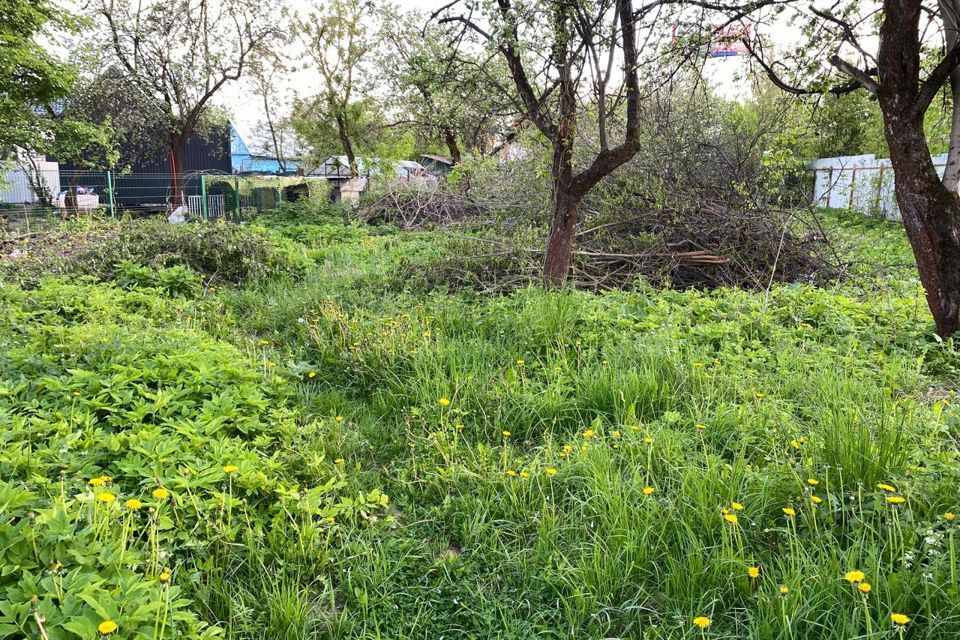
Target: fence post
203, 199
113, 215
236, 190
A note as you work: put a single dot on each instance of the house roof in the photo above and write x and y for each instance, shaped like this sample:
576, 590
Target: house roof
372, 166
441, 159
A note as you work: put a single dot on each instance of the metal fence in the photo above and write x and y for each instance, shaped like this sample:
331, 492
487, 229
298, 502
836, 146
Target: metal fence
29, 203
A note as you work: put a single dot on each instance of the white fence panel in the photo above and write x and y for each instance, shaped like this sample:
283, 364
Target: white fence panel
15, 185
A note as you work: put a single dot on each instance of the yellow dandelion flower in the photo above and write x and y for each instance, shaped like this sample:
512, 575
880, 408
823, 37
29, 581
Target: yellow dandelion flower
816, 499
264, 342
107, 627
648, 491
795, 444
99, 481
505, 433
567, 448
524, 474
702, 622
758, 395
444, 402
520, 363
812, 482
854, 576
339, 418
511, 473
784, 590
165, 576
133, 504
864, 587
338, 461
551, 471
885, 487
161, 494
312, 374
701, 427
616, 435
589, 433
896, 499
753, 572
789, 511
648, 440
736, 505
458, 427
949, 516
899, 619
731, 518
231, 468
106, 497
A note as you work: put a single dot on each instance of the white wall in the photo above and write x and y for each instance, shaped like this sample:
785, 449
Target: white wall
15, 187
859, 183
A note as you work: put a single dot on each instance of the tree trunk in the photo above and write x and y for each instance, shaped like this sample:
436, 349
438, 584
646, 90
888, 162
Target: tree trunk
563, 230
347, 145
450, 138
931, 217
175, 153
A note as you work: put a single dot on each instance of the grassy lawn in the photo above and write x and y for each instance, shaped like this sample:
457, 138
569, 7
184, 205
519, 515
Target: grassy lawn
326, 452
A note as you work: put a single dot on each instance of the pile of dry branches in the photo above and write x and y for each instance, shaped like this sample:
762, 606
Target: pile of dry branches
412, 208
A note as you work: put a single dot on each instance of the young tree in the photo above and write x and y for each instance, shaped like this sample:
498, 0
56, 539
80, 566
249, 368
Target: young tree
180, 53
265, 74
574, 43
336, 39
456, 97
905, 82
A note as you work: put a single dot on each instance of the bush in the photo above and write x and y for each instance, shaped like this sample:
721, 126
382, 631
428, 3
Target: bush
220, 253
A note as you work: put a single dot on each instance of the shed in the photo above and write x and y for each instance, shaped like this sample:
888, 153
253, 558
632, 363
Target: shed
438, 166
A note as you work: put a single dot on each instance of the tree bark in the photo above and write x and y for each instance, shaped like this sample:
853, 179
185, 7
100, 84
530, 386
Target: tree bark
175, 154
563, 230
347, 145
930, 210
450, 138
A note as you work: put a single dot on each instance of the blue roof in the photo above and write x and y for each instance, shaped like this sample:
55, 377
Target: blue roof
245, 162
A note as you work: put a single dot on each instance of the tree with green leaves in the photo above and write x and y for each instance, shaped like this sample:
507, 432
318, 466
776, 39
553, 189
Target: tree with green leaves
179, 54
337, 42
33, 87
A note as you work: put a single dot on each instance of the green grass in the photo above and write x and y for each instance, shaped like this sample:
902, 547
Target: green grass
575, 485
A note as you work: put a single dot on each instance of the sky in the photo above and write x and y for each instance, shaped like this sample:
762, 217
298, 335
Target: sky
247, 111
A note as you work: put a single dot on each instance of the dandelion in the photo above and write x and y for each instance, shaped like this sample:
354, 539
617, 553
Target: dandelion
784, 590
165, 576
949, 516
896, 499
511, 473
339, 418
589, 433
616, 435
506, 434
520, 363
731, 518
753, 572
885, 487
795, 444
160, 494
605, 363
264, 343
899, 619
338, 461
106, 497
99, 481
231, 468
701, 427
444, 402
647, 491
736, 505
758, 395
312, 374
789, 511
551, 471
458, 427
524, 474
854, 576
107, 627
702, 622
816, 499
133, 504
648, 440
864, 587
812, 482
567, 448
